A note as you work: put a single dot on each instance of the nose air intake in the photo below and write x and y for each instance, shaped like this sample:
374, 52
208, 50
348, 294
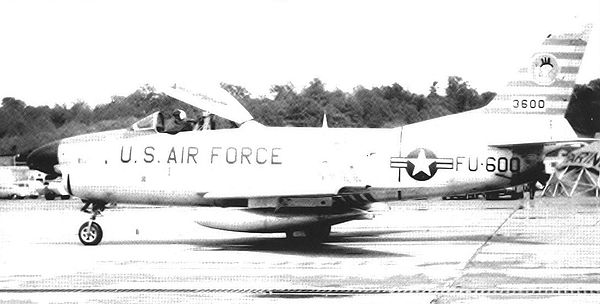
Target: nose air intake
44, 158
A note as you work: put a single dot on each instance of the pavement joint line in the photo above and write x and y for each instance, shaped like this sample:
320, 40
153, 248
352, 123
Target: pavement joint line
301, 291
478, 250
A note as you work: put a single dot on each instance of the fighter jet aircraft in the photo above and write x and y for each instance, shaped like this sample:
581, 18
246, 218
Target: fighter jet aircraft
285, 180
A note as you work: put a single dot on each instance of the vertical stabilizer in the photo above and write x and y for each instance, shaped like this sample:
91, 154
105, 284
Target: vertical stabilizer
545, 84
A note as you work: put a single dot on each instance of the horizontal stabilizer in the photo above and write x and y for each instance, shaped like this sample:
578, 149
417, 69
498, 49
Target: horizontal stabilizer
548, 146
580, 141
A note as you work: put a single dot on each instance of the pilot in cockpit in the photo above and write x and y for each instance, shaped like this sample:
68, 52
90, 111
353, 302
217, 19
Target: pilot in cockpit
180, 122
205, 121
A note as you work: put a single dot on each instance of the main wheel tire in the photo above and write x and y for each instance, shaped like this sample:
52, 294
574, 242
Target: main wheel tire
50, 196
318, 233
90, 235
65, 197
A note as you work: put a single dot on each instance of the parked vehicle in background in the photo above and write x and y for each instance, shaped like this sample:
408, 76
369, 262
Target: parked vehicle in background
55, 188
467, 196
515, 192
17, 190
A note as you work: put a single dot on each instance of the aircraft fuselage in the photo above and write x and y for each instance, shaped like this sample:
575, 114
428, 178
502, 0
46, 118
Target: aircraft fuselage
190, 167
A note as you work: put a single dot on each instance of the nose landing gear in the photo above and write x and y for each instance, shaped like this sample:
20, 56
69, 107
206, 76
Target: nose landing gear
90, 232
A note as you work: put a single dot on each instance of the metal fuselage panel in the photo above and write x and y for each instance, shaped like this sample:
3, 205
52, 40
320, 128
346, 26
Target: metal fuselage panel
437, 157
463, 153
180, 169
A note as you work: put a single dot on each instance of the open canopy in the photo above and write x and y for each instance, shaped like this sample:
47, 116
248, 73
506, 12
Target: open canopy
211, 98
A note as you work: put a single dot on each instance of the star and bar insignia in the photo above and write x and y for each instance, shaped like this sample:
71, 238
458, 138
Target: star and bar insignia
421, 164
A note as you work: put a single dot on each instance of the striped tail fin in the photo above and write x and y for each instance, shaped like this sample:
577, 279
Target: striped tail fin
544, 86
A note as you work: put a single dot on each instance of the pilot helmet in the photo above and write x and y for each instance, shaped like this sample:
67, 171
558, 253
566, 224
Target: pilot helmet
179, 114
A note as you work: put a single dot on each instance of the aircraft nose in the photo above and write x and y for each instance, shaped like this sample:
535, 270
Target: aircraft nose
44, 158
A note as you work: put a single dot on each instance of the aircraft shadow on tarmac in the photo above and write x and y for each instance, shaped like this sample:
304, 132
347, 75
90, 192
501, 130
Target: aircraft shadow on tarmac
339, 244
344, 246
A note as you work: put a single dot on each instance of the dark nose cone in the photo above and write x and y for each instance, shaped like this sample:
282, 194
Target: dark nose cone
44, 158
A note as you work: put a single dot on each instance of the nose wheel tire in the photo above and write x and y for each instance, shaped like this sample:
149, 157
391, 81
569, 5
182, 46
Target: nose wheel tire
90, 235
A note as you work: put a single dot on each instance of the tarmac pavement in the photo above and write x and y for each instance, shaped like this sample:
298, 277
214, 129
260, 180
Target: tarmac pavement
418, 252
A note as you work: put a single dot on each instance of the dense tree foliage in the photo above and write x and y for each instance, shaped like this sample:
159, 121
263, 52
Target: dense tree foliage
23, 128
583, 112
385, 106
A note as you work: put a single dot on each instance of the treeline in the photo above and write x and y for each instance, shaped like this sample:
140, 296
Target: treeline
386, 106
583, 112
23, 128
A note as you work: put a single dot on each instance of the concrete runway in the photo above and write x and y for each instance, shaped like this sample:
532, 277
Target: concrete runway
420, 251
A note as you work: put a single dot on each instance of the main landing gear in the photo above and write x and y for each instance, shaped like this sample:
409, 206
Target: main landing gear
90, 232
314, 234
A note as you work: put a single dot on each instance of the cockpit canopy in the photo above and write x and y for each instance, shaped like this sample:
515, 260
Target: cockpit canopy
153, 122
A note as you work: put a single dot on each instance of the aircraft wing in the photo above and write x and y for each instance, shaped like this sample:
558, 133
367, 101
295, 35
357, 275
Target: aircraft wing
218, 195
258, 192
352, 197
212, 99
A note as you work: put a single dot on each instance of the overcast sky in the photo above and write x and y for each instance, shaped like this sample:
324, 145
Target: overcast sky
61, 51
